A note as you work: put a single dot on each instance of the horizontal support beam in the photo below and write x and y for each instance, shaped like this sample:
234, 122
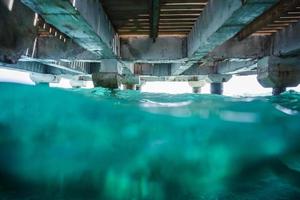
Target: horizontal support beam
41, 78
253, 47
42, 67
212, 78
268, 17
197, 70
142, 49
172, 78
287, 42
87, 24
152, 69
219, 22
58, 66
230, 67
236, 66
56, 49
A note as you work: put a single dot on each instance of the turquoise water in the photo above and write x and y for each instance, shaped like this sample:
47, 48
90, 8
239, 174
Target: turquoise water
101, 144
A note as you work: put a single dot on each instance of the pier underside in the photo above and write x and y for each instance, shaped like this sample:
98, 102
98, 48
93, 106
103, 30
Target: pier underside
130, 42
161, 99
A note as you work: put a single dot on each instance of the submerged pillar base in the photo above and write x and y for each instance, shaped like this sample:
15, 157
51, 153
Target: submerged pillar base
216, 82
197, 90
138, 87
129, 86
216, 88
278, 90
109, 80
109, 75
196, 86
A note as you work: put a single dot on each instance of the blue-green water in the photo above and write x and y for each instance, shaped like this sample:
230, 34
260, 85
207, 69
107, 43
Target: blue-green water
98, 144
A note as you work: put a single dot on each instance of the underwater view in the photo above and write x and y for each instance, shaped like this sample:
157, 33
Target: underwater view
113, 144
149, 100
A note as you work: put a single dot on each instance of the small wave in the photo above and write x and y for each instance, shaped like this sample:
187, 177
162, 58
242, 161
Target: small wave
149, 104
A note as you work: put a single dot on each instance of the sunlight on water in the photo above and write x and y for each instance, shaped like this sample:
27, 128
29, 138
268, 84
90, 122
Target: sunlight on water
102, 144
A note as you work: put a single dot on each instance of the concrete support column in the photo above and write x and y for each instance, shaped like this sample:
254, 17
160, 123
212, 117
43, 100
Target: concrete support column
138, 87
216, 88
106, 79
279, 73
196, 86
129, 86
278, 90
129, 80
109, 74
216, 82
197, 90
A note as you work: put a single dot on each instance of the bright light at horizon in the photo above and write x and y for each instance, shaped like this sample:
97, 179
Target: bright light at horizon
245, 86
237, 86
297, 89
63, 83
14, 76
241, 86
167, 87
89, 85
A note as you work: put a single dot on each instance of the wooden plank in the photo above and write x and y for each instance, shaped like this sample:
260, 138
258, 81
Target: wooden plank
138, 14
268, 17
154, 19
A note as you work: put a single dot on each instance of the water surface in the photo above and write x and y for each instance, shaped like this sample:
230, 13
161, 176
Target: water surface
101, 144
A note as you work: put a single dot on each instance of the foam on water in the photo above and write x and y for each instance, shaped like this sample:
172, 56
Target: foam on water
101, 144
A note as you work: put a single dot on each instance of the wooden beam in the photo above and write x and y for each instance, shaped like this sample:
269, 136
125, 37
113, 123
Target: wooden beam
86, 24
220, 21
154, 18
268, 17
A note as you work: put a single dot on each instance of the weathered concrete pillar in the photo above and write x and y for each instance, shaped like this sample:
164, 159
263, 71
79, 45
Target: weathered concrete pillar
278, 90
140, 84
129, 80
106, 79
138, 87
196, 86
129, 86
109, 74
216, 88
279, 73
216, 82
197, 90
